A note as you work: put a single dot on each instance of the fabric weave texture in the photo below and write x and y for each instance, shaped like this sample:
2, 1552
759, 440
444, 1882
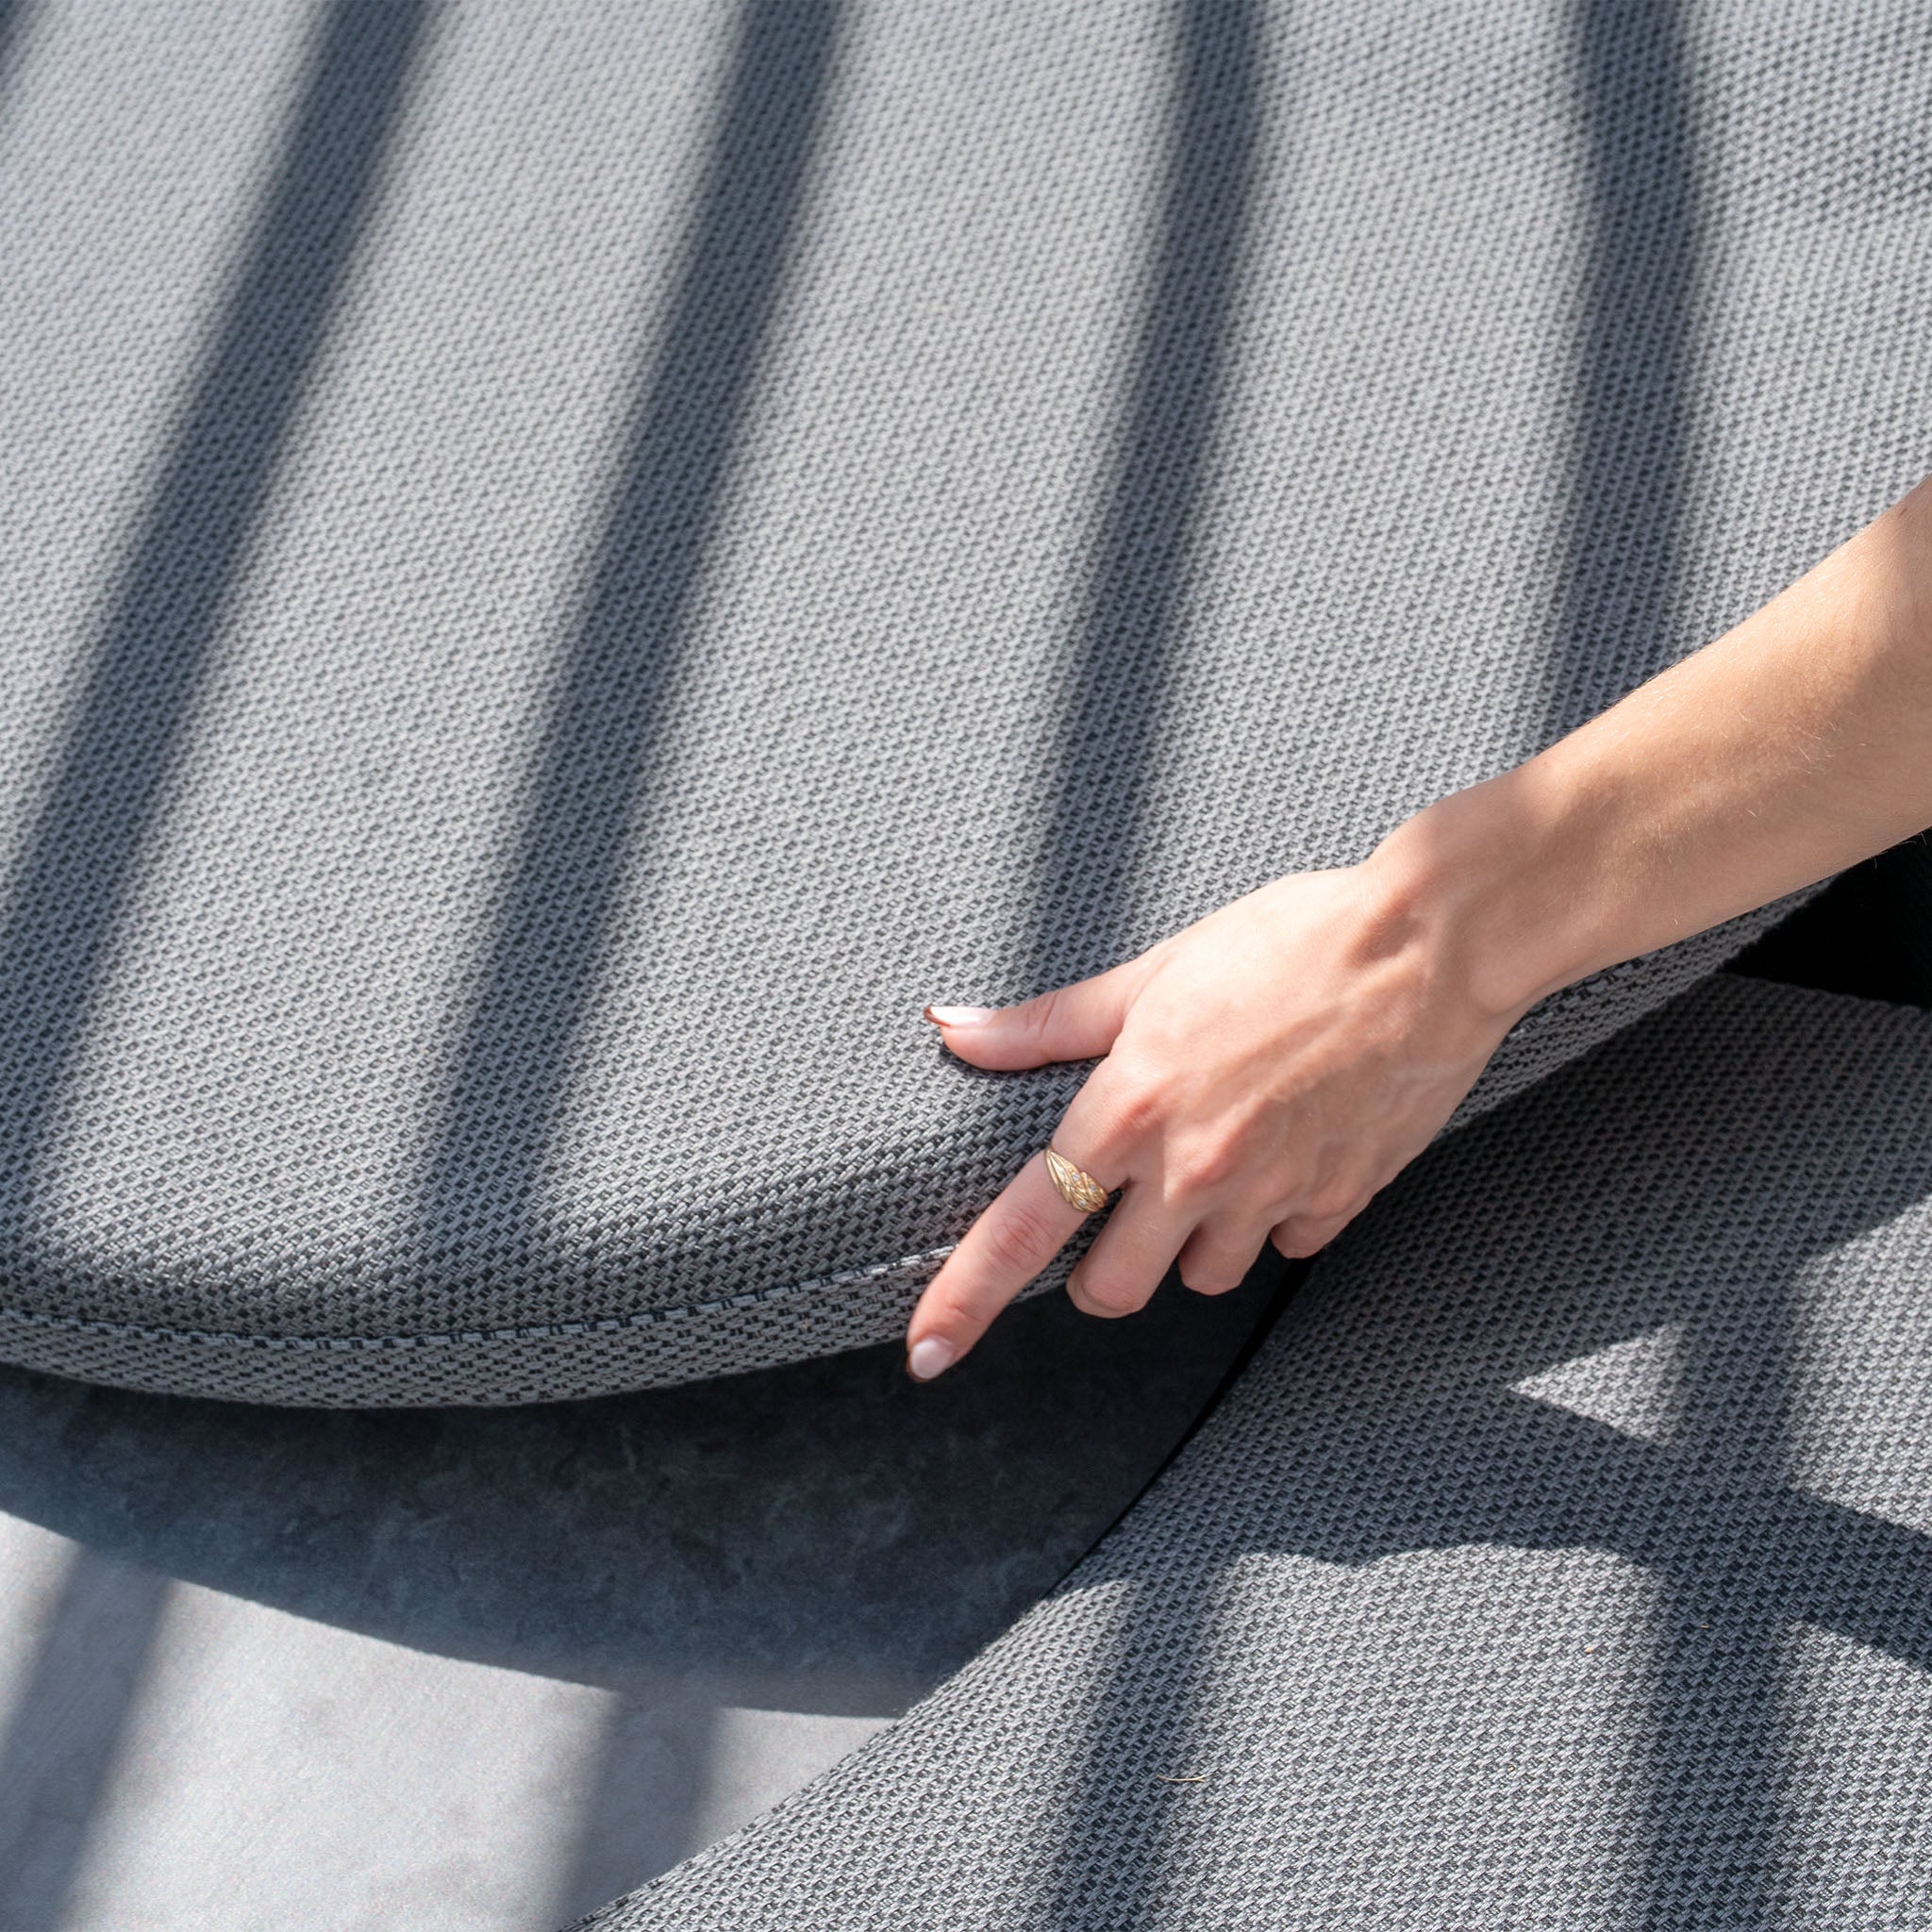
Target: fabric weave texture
1564, 1557
558, 585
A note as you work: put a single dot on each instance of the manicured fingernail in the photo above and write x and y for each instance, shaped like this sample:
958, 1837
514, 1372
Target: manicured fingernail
959, 1016
929, 1357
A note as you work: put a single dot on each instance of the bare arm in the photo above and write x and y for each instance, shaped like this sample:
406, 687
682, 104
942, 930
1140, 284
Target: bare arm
1268, 1070
1795, 745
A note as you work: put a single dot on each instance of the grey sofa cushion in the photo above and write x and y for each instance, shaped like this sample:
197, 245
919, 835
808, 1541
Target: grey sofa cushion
560, 580
1564, 1559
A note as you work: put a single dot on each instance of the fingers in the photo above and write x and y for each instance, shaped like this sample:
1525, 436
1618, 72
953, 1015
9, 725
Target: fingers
1011, 1242
1128, 1259
1302, 1235
1219, 1254
1072, 1022
1210, 1175
1026, 1226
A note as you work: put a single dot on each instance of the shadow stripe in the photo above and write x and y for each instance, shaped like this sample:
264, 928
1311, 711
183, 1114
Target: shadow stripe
152, 658
510, 1070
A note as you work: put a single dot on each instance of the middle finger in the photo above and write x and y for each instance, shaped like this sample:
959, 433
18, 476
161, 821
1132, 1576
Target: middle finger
1119, 1274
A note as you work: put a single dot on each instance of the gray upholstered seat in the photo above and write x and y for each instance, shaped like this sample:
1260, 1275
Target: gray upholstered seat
1564, 1559
561, 578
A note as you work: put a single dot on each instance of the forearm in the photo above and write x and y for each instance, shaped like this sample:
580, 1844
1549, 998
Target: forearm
1263, 1073
1795, 745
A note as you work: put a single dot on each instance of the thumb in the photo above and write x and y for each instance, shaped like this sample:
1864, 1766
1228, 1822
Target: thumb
1072, 1022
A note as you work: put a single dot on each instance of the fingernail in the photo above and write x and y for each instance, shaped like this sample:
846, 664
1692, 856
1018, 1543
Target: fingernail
959, 1016
929, 1357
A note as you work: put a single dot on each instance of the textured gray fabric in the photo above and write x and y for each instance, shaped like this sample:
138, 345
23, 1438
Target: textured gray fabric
559, 581
1564, 1559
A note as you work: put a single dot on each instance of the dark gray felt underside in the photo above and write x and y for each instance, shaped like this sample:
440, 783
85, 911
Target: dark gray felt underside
826, 1540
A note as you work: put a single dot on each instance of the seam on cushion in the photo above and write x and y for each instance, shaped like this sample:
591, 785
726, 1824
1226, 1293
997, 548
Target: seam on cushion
551, 1331
646, 1319
643, 1318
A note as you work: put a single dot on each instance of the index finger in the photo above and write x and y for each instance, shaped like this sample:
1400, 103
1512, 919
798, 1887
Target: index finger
1023, 1229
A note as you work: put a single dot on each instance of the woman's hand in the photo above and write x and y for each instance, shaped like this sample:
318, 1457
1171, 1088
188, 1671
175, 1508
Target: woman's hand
1261, 1075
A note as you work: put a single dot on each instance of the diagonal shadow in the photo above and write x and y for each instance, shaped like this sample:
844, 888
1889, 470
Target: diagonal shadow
13, 18
1130, 629
511, 1064
1739, 1564
615, 1847
64, 1731
148, 665
1382, 1420
152, 657
1507, 1470
1132, 623
1622, 585
510, 1068
1719, 1702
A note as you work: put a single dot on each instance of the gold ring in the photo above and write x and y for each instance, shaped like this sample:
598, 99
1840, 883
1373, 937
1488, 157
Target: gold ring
1075, 1189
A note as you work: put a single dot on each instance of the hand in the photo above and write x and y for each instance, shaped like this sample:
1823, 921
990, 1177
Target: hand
1262, 1073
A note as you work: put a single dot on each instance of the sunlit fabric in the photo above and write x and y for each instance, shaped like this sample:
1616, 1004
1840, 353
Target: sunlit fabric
1563, 1560
561, 575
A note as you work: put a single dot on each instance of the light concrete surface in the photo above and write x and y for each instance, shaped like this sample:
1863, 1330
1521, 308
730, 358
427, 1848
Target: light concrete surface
197, 1759
485, 1669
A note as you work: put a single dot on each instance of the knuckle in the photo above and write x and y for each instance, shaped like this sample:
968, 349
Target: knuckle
1107, 1294
1207, 1278
1334, 1199
1037, 1015
1208, 1165
1019, 1241
1135, 1109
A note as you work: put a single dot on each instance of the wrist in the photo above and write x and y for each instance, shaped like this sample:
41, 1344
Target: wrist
1495, 876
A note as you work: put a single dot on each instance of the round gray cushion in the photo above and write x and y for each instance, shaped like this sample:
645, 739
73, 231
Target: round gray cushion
561, 578
1563, 1560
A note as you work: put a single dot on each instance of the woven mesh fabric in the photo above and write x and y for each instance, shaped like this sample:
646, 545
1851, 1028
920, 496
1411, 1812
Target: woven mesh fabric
558, 582
1564, 1559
